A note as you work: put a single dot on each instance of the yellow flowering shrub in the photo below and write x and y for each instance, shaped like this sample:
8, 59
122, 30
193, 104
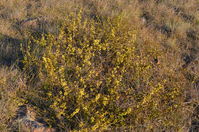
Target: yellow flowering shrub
93, 76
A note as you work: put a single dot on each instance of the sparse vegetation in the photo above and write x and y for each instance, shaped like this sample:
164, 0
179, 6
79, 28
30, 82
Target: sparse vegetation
109, 65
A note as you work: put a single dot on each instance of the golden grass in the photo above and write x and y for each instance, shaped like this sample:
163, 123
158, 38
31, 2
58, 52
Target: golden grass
11, 82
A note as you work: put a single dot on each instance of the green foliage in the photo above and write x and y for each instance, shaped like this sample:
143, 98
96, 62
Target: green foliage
94, 77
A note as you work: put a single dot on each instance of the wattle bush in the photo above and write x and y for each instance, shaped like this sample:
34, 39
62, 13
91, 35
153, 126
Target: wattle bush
94, 76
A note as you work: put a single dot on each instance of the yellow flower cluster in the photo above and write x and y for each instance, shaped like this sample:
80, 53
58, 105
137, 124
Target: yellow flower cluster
96, 77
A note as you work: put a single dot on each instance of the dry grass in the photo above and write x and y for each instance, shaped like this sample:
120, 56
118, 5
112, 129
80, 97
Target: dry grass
11, 82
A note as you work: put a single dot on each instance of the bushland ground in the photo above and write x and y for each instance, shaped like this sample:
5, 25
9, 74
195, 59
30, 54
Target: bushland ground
166, 40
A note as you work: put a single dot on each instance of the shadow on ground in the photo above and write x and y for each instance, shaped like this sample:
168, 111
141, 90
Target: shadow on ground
10, 51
